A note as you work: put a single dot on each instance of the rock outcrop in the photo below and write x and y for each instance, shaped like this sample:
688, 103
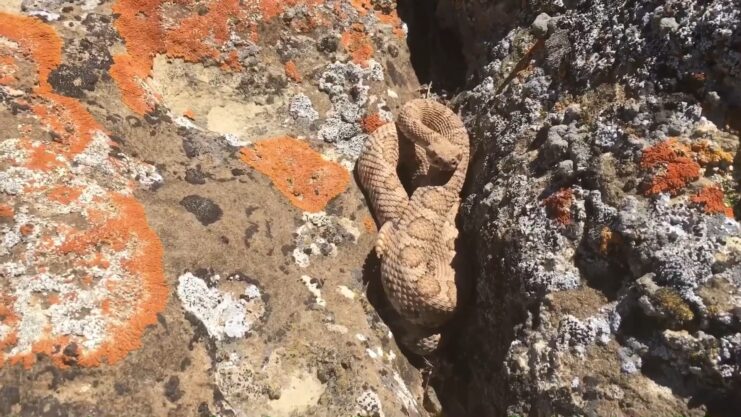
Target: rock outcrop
602, 205
179, 229
181, 235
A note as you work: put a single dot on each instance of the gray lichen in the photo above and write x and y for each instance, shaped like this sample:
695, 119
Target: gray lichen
563, 107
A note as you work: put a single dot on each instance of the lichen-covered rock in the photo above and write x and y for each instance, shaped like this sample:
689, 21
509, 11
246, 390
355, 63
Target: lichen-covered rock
603, 207
180, 232
164, 166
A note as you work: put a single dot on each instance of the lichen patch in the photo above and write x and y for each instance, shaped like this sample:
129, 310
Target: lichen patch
671, 167
86, 268
306, 179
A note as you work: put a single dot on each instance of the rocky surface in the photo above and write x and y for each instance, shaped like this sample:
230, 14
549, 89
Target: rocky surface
180, 234
602, 205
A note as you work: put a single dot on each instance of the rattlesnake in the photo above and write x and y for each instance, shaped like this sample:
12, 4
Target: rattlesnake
416, 241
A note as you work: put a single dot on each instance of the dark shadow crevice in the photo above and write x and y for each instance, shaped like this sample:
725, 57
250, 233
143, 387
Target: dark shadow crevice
436, 49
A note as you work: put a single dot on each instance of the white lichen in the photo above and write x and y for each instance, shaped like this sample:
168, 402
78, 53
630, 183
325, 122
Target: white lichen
223, 315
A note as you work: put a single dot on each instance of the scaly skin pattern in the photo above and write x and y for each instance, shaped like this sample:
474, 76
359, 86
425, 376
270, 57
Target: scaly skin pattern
416, 243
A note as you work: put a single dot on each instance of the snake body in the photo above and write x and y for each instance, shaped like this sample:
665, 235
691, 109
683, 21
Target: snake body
416, 241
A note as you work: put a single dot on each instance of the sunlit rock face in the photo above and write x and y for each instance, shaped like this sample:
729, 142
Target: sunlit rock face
602, 207
180, 231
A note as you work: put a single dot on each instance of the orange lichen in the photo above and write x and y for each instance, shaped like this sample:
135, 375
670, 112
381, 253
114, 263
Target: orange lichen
7, 69
297, 171
369, 224
40, 40
558, 205
64, 194
138, 23
121, 226
8, 318
148, 293
712, 201
391, 18
201, 31
231, 62
145, 263
372, 122
609, 239
272, 8
6, 211
356, 43
675, 166
26, 229
709, 154
292, 71
129, 74
197, 36
51, 347
41, 159
189, 114
42, 43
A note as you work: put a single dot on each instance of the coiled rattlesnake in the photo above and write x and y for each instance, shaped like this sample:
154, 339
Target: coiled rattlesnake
416, 241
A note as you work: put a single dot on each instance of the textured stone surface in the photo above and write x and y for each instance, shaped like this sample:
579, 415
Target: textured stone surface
601, 208
159, 256
164, 165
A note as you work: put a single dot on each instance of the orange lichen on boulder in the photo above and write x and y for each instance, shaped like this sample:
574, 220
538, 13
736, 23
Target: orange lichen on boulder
372, 122
609, 240
6, 211
139, 25
7, 69
194, 38
197, 36
149, 293
357, 44
391, 17
712, 201
115, 245
558, 205
369, 224
10, 319
272, 8
298, 172
129, 74
292, 71
134, 298
672, 166
197, 32
207, 31
64, 194
40, 158
709, 154
44, 46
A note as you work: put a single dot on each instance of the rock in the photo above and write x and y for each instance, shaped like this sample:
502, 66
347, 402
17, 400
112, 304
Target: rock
668, 24
172, 389
539, 26
599, 271
205, 210
600, 220
9, 396
300, 107
121, 284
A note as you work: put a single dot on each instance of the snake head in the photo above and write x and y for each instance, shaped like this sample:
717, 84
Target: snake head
444, 155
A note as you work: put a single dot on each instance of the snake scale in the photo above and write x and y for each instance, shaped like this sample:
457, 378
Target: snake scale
416, 240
